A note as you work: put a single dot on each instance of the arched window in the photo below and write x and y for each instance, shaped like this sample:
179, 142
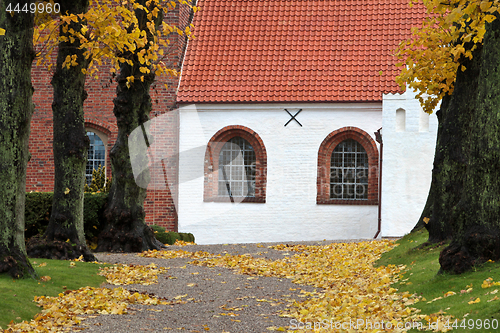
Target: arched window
349, 171
235, 166
348, 168
96, 155
400, 120
237, 169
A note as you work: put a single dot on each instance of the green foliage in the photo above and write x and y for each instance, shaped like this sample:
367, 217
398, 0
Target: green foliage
37, 213
93, 214
157, 228
187, 237
39, 207
17, 295
99, 181
170, 237
423, 278
163, 237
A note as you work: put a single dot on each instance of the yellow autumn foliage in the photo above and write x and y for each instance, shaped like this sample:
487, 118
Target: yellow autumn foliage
349, 288
352, 288
451, 32
489, 283
175, 254
109, 30
132, 274
66, 310
179, 242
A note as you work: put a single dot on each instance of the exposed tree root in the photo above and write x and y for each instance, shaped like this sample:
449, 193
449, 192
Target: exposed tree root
40, 247
479, 247
119, 239
15, 263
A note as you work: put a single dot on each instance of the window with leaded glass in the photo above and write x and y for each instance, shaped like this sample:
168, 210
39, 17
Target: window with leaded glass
96, 155
237, 169
349, 171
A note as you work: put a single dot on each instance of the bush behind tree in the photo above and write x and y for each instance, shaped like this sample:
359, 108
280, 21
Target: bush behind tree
39, 207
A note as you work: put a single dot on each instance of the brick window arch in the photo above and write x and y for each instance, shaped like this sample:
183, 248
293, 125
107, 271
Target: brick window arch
235, 134
357, 146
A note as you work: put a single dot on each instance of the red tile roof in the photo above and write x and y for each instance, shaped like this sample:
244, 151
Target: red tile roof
295, 50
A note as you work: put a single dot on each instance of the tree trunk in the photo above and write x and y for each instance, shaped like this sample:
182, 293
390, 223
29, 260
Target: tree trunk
16, 109
450, 159
476, 219
64, 237
126, 230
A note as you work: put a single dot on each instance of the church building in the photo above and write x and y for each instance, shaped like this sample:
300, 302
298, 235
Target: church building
286, 124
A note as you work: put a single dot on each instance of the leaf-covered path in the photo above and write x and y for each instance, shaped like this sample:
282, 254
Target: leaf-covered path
191, 289
208, 298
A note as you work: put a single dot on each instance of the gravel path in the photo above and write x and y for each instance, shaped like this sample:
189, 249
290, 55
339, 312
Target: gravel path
217, 299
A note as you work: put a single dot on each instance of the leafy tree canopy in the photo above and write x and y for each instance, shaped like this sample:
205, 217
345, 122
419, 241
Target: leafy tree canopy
449, 34
111, 31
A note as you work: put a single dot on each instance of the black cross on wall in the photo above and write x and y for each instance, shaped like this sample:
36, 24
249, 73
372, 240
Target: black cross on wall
293, 117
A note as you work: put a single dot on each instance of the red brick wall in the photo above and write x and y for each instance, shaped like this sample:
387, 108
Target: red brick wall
99, 115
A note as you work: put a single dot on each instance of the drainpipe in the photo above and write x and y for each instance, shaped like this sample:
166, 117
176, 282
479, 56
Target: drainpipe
378, 138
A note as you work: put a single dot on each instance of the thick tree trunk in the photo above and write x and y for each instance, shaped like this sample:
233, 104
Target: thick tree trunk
16, 109
126, 230
450, 159
64, 238
476, 219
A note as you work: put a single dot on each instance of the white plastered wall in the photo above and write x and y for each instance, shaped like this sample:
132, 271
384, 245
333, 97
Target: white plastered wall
409, 138
290, 212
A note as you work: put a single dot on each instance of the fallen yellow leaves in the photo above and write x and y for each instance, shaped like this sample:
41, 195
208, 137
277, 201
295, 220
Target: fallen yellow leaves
175, 254
66, 310
353, 288
477, 300
132, 274
435, 299
179, 242
492, 292
489, 283
466, 291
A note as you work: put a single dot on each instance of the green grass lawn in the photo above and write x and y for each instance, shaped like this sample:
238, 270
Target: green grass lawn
423, 279
17, 295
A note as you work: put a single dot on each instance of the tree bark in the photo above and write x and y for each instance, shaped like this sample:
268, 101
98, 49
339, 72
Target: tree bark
126, 230
476, 219
450, 159
16, 109
64, 237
